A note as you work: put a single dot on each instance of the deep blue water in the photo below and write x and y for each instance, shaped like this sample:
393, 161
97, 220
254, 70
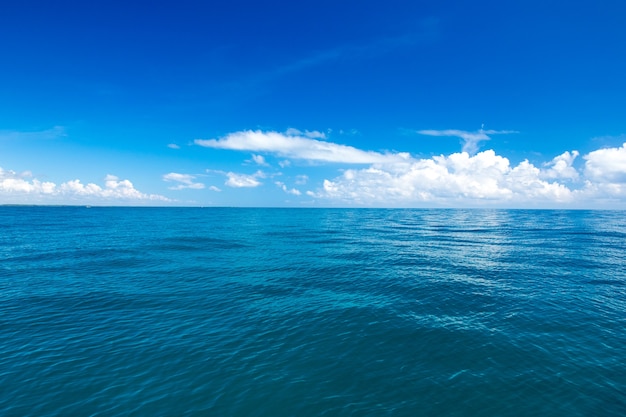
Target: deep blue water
297, 312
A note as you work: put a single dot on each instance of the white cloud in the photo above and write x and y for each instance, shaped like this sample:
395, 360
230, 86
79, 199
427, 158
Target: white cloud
173, 146
18, 188
470, 139
561, 167
283, 187
285, 163
183, 180
259, 160
293, 144
459, 180
243, 180
214, 188
605, 175
606, 165
11, 182
456, 179
75, 187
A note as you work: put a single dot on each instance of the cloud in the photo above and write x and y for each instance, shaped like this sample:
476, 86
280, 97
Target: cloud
259, 160
350, 132
173, 146
425, 31
561, 167
446, 180
485, 179
214, 188
606, 165
283, 187
54, 133
243, 180
312, 134
183, 180
294, 144
471, 140
20, 189
301, 179
12, 182
460, 179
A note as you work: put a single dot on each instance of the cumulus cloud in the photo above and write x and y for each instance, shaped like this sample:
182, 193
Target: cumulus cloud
485, 177
294, 144
12, 182
283, 187
561, 167
471, 140
173, 146
183, 181
605, 175
19, 188
459, 180
606, 165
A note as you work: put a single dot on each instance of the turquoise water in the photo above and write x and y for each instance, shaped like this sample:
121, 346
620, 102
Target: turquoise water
297, 312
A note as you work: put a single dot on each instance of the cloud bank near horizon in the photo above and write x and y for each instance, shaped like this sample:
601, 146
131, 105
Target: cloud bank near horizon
459, 179
21, 188
486, 179
367, 178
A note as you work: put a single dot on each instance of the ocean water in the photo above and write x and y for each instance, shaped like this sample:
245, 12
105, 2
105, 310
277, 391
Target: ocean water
321, 312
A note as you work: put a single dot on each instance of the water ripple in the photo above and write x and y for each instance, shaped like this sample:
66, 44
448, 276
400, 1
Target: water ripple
277, 312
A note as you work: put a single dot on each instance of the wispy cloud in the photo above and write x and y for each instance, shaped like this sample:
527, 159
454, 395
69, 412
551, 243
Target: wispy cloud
237, 180
311, 134
183, 181
471, 140
427, 30
173, 146
54, 133
293, 144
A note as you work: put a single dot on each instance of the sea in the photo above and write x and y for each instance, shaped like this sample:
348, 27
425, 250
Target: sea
114, 311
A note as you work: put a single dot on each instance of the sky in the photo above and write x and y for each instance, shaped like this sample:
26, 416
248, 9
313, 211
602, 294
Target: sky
503, 104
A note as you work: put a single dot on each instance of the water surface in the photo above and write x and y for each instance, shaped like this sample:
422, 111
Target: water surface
298, 312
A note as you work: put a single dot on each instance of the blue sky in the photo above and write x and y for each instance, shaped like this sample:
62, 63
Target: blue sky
314, 104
